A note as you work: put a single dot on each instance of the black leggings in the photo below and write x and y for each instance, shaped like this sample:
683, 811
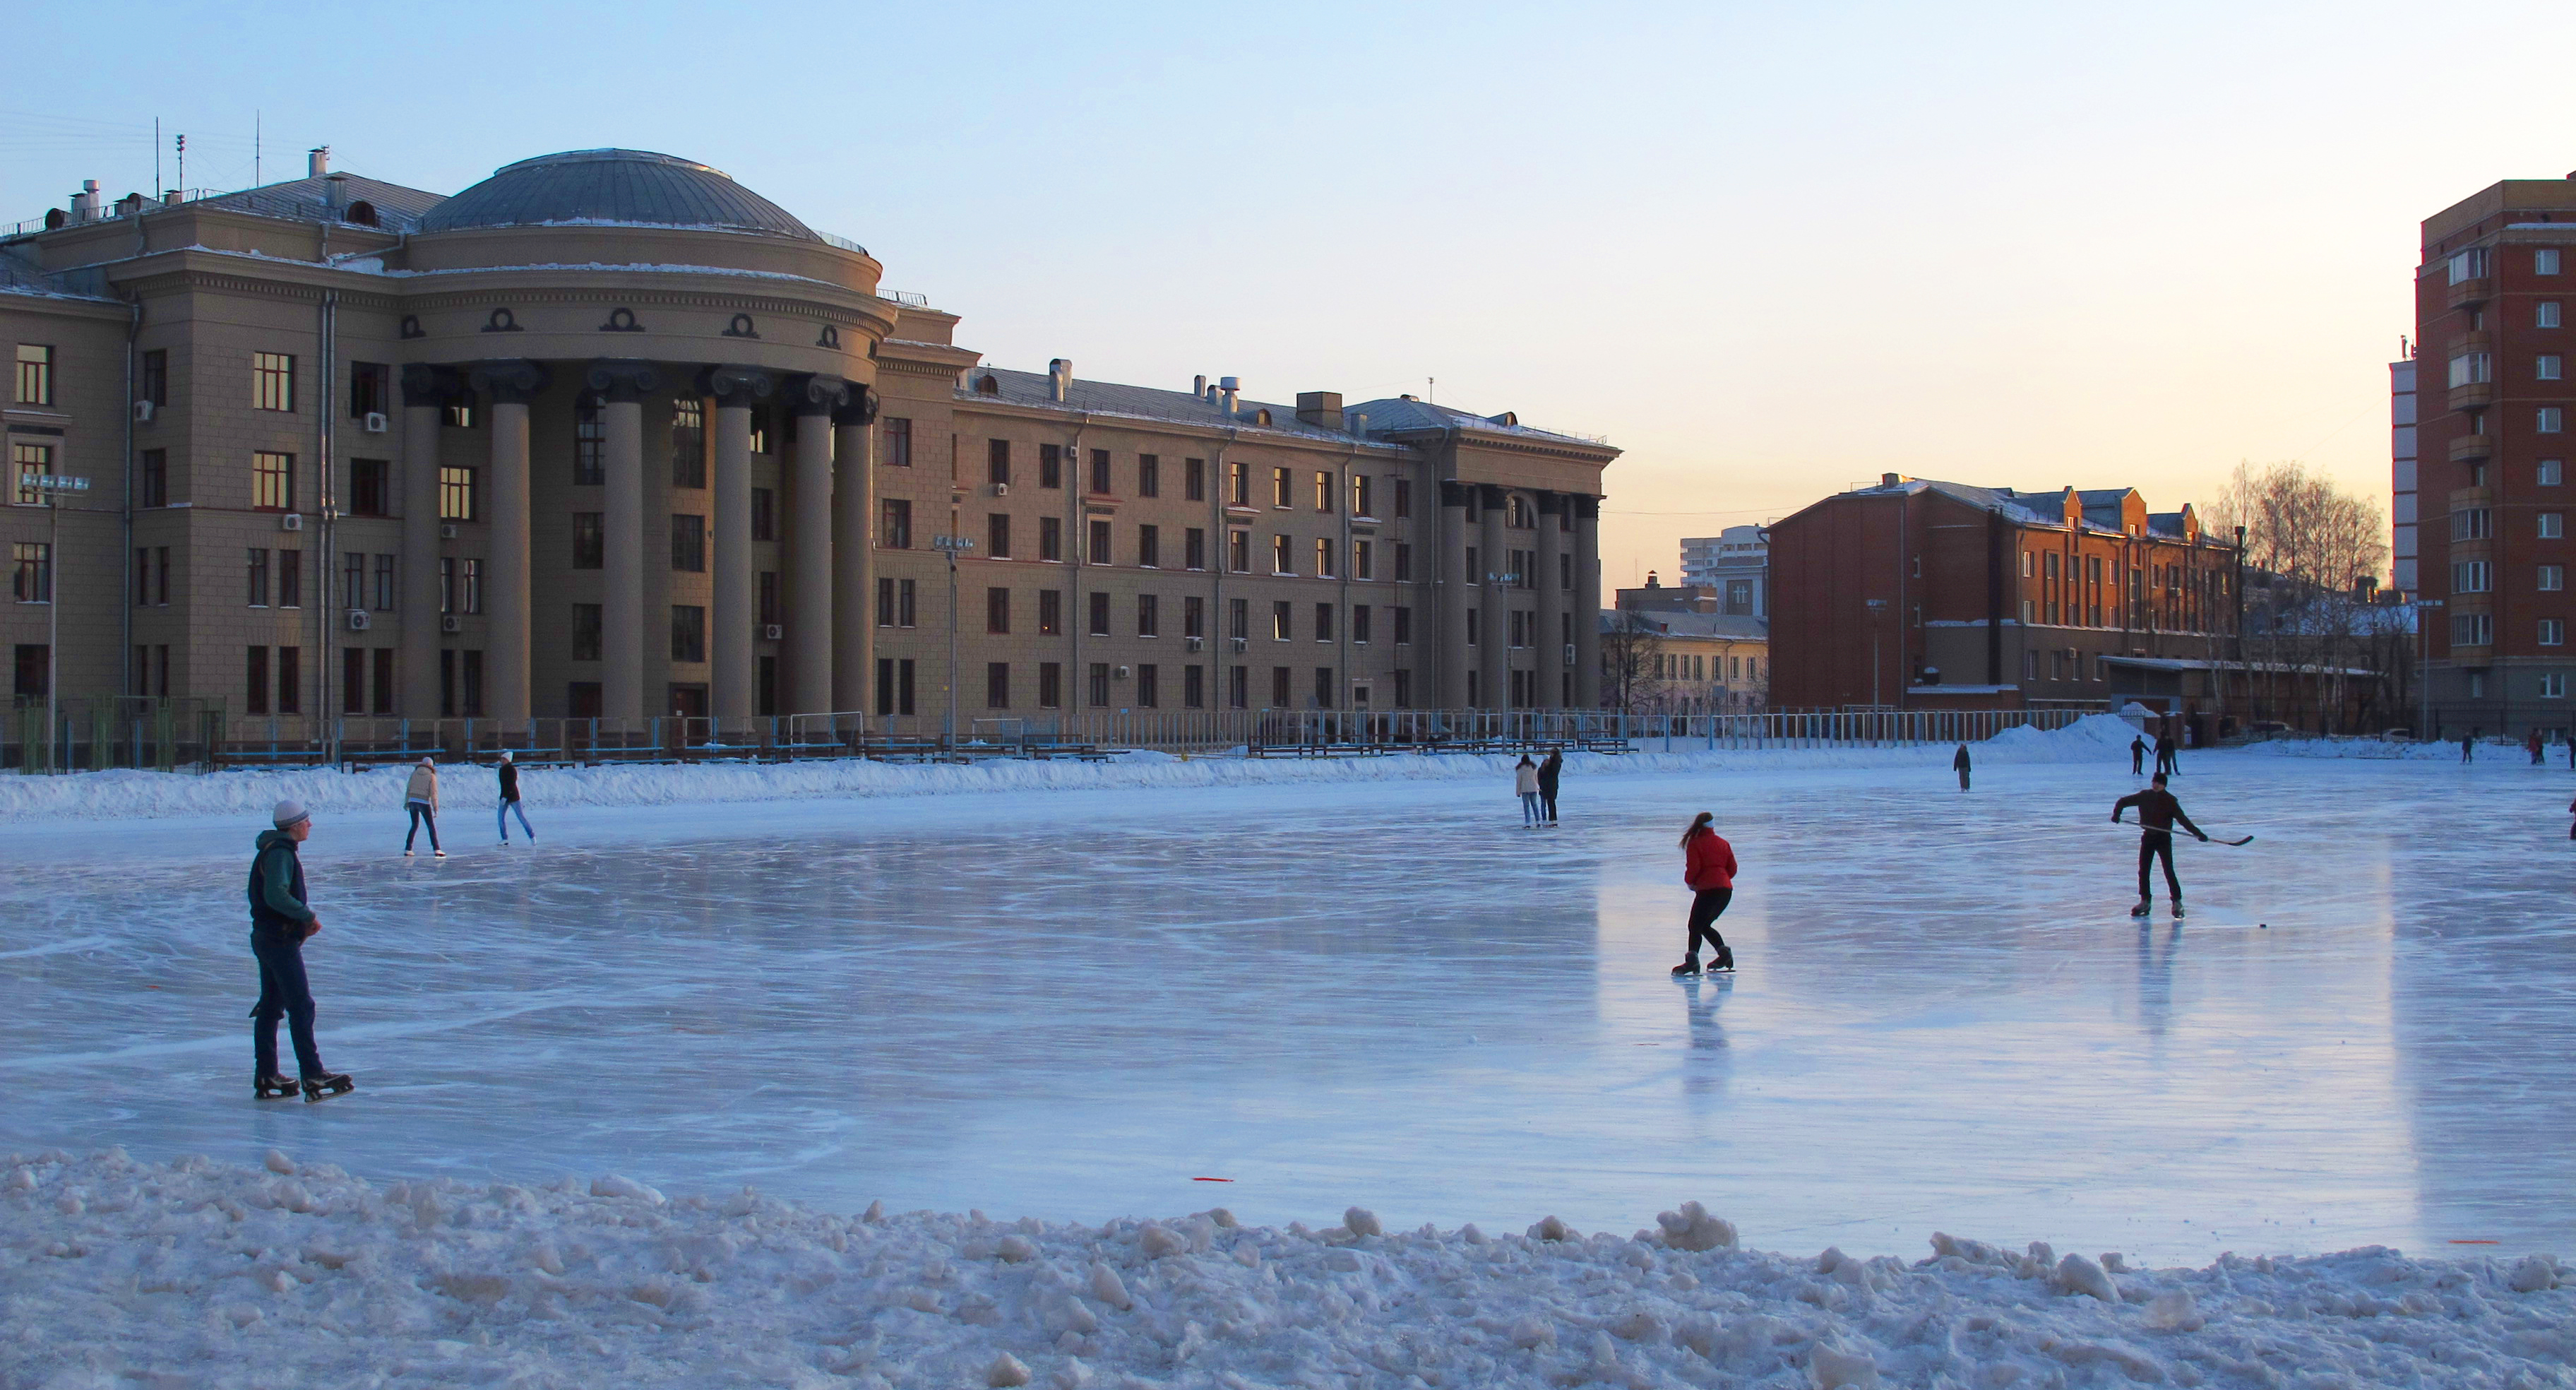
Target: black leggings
2149, 846
1706, 906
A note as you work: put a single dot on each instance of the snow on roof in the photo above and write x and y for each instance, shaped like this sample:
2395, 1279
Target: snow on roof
1397, 413
1146, 403
397, 209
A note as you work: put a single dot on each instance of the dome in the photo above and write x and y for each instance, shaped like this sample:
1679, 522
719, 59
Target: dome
630, 187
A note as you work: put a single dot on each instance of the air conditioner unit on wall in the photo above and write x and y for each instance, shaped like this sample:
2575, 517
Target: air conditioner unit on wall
359, 618
292, 521
451, 623
375, 422
1569, 653
1124, 672
447, 531
1237, 641
1195, 643
772, 631
1001, 489
143, 411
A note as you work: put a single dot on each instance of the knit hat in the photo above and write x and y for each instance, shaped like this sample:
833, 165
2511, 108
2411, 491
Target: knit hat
505, 755
289, 814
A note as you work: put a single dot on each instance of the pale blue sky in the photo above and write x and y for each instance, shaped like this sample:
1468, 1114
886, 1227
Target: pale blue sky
1768, 250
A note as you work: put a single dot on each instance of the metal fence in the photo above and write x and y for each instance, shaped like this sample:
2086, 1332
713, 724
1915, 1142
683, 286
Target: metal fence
190, 734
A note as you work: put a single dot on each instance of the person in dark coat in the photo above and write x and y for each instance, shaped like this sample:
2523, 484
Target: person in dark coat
510, 799
2138, 756
1550, 773
1960, 764
2168, 754
2158, 813
2469, 746
280, 923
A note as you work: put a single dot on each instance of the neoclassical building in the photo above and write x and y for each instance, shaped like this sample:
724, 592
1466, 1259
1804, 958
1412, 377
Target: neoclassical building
609, 434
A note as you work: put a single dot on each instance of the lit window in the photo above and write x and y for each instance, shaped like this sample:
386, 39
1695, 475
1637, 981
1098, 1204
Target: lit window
456, 494
272, 381
35, 374
1282, 561
272, 481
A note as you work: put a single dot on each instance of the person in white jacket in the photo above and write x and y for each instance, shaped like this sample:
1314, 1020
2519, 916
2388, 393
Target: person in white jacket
1525, 782
420, 797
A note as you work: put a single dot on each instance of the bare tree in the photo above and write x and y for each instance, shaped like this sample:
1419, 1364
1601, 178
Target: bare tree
2312, 555
1630, 653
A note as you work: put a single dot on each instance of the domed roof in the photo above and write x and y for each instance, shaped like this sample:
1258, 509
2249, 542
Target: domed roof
634, 187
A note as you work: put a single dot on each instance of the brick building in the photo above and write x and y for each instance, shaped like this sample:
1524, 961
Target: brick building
2484, 497
1918, 594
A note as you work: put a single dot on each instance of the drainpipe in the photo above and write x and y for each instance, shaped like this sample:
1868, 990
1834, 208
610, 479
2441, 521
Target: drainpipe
125, 507
1342, 593
1077, 615
328, 502
1220, 630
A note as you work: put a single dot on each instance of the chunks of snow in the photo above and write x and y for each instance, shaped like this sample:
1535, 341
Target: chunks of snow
1360, 1221
1551, 1229
2534, 1273
2076, 1274
1692, 1228
612, 1185
1007, 1370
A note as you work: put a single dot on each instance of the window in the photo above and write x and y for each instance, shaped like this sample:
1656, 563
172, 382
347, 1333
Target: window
1238, 692
997, 461
1149, 616
2472, 577
1283, 618
1193, 616
1403, 633
1238, 551
30, 462
458, 414
1050, 612
255, 576
272, 481
1099, 684
1323, 687
2472, 369
771, 609
1194, 479
1148, 677
1238, 619
290, 579
1404, 690
688, 442
2553, 526
1403, 497
384, 580
290, 680
370, 485
898, 443
2548, 367
155, 481
764, 514
2551, 472
689, 543
688, 632
2553, 686
2553, 632
1403, 563
1051, 465
585, 631
997, 535
895, 523
589, 443
1149, 547
2468, 265
1238, 485
272, 381
1194, 548
353, 679
885, 601
1282, 559
32, 571
759, 429
2553, 578
1360, 623
997, 685
2030, 665
1324, 548
1323, 492
1050, 685
2473, 629
155, 386
1283, 487
1360, 495
1149, 475
904, 603
589, 540
1051, 538
997, 610
1363, 559
35, 374
1279, 686
371, 389
1194, 687
1100, 542
255, 681
467, 586
455, 494
2550, 419
2472, 524
1100, 613
1323, 622
2545, 314
1100, 471
2544, 260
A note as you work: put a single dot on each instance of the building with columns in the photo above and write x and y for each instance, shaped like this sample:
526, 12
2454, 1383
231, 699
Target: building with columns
609, 434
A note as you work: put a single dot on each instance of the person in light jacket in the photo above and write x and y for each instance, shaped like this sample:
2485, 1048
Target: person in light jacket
1525, 782
420, 797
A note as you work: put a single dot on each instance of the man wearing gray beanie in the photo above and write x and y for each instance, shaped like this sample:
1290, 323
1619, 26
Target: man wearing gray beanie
280, 923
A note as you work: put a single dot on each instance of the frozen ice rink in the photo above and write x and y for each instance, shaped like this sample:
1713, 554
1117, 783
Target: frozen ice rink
1076, 1005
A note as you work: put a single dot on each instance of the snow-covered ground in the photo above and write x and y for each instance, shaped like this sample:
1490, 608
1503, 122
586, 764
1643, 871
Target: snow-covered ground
1075, 1007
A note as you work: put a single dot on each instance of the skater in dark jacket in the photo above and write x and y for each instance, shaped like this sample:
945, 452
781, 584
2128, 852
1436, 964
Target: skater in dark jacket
1960, 765
2469, 746
510, 800
2138, 756
1708, 866
2533, 744
2168, 755
280, 924
2157, 814
1550, 773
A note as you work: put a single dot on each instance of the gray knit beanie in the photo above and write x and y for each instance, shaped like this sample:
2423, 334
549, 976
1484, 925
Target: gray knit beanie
290, 813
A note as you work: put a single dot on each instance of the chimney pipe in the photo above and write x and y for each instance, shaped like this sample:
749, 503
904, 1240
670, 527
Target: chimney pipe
1227, 388
317, 161
1359, 423
335, 191
1198, 387
85, 202
1060, 378
1889, 480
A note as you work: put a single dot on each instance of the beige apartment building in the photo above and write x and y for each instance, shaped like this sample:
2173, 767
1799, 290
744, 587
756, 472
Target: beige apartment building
610, 435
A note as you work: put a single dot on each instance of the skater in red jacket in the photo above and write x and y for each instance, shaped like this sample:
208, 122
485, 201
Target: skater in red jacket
1709, 869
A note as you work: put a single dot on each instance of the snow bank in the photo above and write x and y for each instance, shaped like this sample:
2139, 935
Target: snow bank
2506, 749
123, 794
118, 1273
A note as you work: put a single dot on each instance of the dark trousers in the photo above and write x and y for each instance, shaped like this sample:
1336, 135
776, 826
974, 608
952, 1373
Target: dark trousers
2167, 764
2150, 845
421, 815
1706, 906
1547, 803
283, 993
2137, 763
1963, 779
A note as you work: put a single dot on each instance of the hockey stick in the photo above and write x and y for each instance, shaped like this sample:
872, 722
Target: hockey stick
2212, 838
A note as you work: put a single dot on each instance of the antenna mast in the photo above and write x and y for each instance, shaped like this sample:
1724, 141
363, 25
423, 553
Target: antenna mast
254, 148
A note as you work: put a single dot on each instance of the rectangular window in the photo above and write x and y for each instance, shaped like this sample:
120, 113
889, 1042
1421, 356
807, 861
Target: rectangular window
1360, 623
1100, 542
1051, 538
272, 481
469, 586
290, 680
1403, 497
2472, 524
997, 685
35, 374
272, 381
2472, 577
290, 579
1051, 465
384, 581
31, 578
1050, 612
1238, 618
1324, 687
1403, 621
1403, 563
30, 462
997, 535
1360, 496
1238, 485
1363, 560
1100, 614
2553, 632
760, 429
2553, 686
1404, 690
764, 514
1323, 492
1100, 472
456, 490
1283, 560
1194, 480
1324, 549
371, 389
1323, 622
353, 679
255, 681
2473, 629
383, 662
1238, 692
2472, 369
2550, 419
1474, 621
772, 610
1193, 616
155, 482
1099, 685
1149, 475
688, 442
997, 462
370, 486
898, 443
2553, 526
1283, 487
1283, 619
997, 610
1194, 548
905, 604
1279, 697
2548, 367
688, 632
585, 631
589, 443
2553, 578
2551, 472
1194, 687
446, 585
2545, 314
1050, 685
1149, 616
458, 414
255, 587
895, 523
143, 577
589, 540
2544, 260
1238, 551
2468, 265
155, 385
1149, 547
885, 603
1148, 678
688, 543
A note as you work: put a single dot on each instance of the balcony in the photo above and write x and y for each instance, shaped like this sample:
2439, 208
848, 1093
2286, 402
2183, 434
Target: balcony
2477, 395
2469, 293
2478, 341
2472, 446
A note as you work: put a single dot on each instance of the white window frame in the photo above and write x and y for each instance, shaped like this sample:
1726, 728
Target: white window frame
2472, 369
2549, 419
2544, 260
2549, 366
2553, 686
2553, 632
2545, 314
2551, 472
2472, 577
2552, 579
2553, 526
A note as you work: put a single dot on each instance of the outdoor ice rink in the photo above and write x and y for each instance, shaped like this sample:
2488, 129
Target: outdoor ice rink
1074, 1005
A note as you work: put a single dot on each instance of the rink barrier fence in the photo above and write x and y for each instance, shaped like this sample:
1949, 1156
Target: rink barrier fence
169, 735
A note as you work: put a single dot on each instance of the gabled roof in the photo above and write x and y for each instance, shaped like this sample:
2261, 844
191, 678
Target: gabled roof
398, 209
2026, 507
1401, 414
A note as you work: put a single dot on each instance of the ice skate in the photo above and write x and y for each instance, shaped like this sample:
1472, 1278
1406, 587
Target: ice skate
2145, 906
1724, 964
1688, 969
272, 1087
438, 854
329, 1083
2177, 909
406, 854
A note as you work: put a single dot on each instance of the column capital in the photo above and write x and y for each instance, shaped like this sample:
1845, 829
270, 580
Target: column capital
815, 395
1586, 508
859, 407
1454, 493
1489, 495
426, 384
1551, 503
736, 385
622, 379
511, 380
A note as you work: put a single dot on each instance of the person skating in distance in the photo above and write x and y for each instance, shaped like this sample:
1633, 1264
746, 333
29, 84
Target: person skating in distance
1708, 866
1959, 764
1525, 786
510, 799
280, 924
2157, 813
1550, 775
2138, 756
420, 798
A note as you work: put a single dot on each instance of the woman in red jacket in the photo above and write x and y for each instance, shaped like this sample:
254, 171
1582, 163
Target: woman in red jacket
1709, 869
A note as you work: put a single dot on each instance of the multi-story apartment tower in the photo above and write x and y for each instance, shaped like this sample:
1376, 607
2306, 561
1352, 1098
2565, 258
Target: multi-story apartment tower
609, 434
2492, 298
1736, 563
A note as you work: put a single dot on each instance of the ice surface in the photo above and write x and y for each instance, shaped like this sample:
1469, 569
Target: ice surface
1077, 1005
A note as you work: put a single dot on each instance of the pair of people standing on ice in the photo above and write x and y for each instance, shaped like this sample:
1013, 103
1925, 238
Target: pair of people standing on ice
1535, 784
420, 798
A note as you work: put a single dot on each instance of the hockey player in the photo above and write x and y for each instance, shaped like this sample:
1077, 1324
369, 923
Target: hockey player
2157, 813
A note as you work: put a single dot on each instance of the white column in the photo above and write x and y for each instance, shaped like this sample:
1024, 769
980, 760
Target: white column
810, 626
511, 385
853, 550
621, 607
1586, 515
1494, 635
735, 390
425, 394
1552, 604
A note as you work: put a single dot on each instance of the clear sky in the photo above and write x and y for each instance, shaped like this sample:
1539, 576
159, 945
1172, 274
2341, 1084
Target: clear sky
1768, 250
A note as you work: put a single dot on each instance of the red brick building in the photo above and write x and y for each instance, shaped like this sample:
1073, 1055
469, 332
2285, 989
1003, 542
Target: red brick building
1918, 594
2488, 502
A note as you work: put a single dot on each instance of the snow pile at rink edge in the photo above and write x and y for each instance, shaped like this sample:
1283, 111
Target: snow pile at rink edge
131, 794
196, 1273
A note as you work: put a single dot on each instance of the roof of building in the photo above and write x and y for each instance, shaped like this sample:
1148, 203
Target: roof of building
1402, 413
2036, 507
613, 187
1145, 403
1733, 627
396, 208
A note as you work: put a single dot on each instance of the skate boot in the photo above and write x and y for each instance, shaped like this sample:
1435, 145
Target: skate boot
329, 1083
1725, 962
406, 854
2145, 906
438, 854
1688, 969
2177, 907
271, 1087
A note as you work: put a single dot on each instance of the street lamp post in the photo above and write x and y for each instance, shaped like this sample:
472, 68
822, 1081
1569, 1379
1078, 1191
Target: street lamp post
1877, 607
952, 547
52, 486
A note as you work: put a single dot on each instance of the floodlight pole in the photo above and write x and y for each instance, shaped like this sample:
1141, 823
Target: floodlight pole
952, 547
53, 486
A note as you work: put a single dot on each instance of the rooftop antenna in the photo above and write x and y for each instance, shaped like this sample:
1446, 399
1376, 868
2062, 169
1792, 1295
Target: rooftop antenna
183, 166
156, 159
254, 148
1431, 388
